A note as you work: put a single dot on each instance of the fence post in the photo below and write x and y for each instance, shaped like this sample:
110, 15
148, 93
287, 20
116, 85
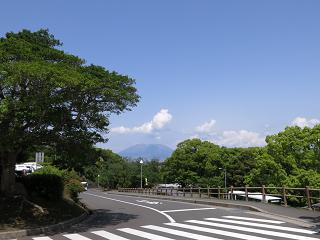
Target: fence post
184, 194
208, 192
308, 197
219, 197
199, 192
191, 191
231, 192
246, 193
166, 192
263, 190
284, 196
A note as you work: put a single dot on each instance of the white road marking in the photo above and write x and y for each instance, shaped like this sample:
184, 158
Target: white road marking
148, 202
116, 200
254, 219
108, 235
75, 236
180, 233
217, 231
252, 230
191, 209
143, 234
251, 224
41, 238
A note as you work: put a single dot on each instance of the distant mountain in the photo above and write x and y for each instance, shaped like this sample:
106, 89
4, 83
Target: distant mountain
147, 151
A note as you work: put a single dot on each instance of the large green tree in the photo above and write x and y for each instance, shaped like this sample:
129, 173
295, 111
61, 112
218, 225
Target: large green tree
49, 97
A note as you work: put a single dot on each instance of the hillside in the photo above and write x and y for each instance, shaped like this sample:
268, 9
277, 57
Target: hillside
147, 151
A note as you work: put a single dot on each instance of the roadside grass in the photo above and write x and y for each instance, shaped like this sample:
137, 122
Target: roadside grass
16, 213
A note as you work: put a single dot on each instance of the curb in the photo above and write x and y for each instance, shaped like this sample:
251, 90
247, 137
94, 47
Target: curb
227, 205
43, 230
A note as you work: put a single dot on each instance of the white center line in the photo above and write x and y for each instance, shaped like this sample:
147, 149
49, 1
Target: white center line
191, 209
116, 200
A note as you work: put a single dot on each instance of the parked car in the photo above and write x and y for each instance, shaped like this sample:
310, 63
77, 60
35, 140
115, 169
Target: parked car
26, 168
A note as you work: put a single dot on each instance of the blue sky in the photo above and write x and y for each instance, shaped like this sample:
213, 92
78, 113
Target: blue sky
225, 71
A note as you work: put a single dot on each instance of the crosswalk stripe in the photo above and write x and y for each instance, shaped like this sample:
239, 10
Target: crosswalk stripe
42, 238
251, 224
219, 232
254, 219
108, 235
143, 234
180, 233
253, 230
76, 236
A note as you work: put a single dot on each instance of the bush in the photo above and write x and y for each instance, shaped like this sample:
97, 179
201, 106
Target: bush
46, 186
71, 180
73, 187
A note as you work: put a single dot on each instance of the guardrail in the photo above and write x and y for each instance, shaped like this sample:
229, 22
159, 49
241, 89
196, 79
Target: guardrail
307, 196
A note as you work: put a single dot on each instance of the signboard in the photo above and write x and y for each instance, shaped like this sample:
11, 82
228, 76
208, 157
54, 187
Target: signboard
39, 157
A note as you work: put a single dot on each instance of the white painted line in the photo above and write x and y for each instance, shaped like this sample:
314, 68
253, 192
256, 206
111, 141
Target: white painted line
108, 235
41, 238
116, 200
254, 219
253, 230
191, 209
76, 237
217, 231
143, 234
251, 224
180, 233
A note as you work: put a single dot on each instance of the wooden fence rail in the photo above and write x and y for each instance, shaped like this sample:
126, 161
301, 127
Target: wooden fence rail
282, 195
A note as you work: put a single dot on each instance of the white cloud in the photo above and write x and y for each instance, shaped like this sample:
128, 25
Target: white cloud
159, 121
207, 127
303, 122
242, 138
230, 138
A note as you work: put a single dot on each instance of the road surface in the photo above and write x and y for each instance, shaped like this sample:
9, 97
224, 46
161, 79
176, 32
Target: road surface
118, 217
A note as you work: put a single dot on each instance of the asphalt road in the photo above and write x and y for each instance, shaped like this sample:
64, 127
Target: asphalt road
119, 217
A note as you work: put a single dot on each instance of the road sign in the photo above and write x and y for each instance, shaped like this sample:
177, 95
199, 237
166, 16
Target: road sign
39, 157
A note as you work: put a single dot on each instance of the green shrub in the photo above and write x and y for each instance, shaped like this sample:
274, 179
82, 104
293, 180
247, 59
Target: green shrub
73, 187
71, 180
46, 186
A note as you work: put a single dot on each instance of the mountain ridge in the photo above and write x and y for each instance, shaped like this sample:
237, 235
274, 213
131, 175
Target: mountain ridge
147, 151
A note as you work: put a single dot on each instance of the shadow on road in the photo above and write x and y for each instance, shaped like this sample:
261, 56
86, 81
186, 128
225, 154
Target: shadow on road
99, 218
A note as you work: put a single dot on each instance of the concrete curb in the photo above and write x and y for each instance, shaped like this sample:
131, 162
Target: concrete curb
227, 205
44, 230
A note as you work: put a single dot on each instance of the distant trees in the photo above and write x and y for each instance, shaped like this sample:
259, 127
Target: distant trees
291, 158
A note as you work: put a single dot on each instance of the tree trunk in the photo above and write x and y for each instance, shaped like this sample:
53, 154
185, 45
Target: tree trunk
7, 173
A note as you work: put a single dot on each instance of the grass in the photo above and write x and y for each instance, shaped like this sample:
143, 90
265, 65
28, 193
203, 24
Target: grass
16, 214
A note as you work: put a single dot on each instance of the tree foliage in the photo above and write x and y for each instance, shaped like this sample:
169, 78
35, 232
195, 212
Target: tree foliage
291, 158
49, 97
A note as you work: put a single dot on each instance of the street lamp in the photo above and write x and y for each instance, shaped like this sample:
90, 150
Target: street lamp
225, 176
141, 162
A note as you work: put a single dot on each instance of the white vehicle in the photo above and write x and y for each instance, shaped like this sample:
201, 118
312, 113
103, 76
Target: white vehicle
256, 196
85, 185
26, 168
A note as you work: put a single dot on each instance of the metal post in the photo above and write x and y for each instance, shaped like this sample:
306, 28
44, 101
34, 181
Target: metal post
141, 162
225, 178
